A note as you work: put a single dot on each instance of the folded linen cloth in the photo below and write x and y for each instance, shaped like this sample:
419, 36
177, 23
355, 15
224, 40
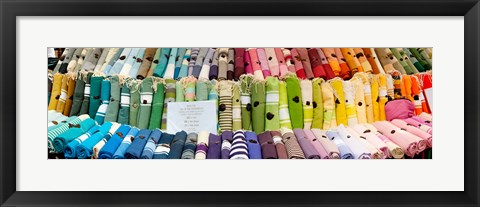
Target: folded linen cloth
413, 130
307, 146
383, 97
317, 66
330, 148
240, 64
254, 149
184, 67
255, 62
307, 99
112, 56
245, 101
92, 59
317, 103
146, 95
214, 147
71, 80
199, 62
375, 98
111, 113
374, 152
163, 146
156, 59
134, 151
137, 63
345, 72
202, 145
418, 67
283, 113
187, 84
393, 149
179, 92
95, 92
60, 142
282, 65
387, 60
316, 144
170, 69
84, 54
297, 62
350, 109
190, 146
157, 104
124, 112
272, 61
258, 106
134, 102
77, 94
56, 91
420, 125
272, 121
70, 151
150, 55
223, 57
86, 95
294, 151
373, 60
262, 58
329, 117
201, 90
176, 147
105, 98
236, 108
179, 61
409, 143
367, 134
332, 62
112, 145
268, 149
368, 100
358, 149
239, 148
403, 62
169, 97
151, 144
213, 73
126, 142
295, 107
288, 60
162, 62
85, 149
225, 120
425, 64
359, 99
231, 64
227, 139
340, 109
193, 60
279, 145
427, 118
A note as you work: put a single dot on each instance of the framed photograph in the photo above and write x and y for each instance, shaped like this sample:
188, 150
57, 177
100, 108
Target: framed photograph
239, 103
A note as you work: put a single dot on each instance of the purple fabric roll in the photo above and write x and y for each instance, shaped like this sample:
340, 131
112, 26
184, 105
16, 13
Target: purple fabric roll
227, 139
269, 150
254, 149
306, 145
231, 64
214, 146
280, 146
214, 67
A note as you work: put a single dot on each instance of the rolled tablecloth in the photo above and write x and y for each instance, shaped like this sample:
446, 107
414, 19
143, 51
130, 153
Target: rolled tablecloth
222, 57
288, 60
159, 71
366, 67
262, 58
307, 99
358, 149
345, 152
184, 67
258, 102
56, 90
114, 104
295, 107
170, 69
213, 73
131, 59
307, 147
190, 146
214, 147
162, 150
409, 143
71, 80
95, 92
134, 151
70, 150
179, 62
350, 109
294, 151
63, 95
105, 98
85, 149
60, 142
374, 152
239, 63
86, 95
414, 130
283, 113
134, 102
193, 60
317, 66
297, 61
317, 103
112, 145
78, 94
255, 63
157, 105
137, 63
267, 145
202, 145
99, 146
236, 108
151, 144
170, 94
199, 62
245, 101
272, 61
120, 153
359, 99
254, 149
225, 119
373, 60
330, 148
239, 148
282, 65
329, 116
150, 55
420, 125
279, 145
124, 112
340, 109
231, 64
176, 147
227, 139
393, 149
272, 119
332, 62
316, 144
146, 95
303, 57
63, 127
373, 139
345, 72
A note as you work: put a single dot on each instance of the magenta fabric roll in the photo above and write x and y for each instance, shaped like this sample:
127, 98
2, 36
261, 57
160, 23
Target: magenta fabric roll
414, 130
316, 144
239, 62
407, 141
421, 126
306, 145
248, 62
421, 120
282, 66
262, 58
269, 150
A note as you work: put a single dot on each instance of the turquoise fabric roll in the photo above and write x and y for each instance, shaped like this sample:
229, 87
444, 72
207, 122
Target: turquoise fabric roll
64, 138
162, 62
95, 90
85, 150
105, 98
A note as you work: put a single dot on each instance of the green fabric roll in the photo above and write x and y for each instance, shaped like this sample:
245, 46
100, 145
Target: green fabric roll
225, 118
169, 97
95, 89
236, 108
414, 60
258, 106
189, 84
157, 105
124, 111
317, 104
245, 101
420, 59
201, 90
134, 102
180, 96
86, 97
113, 106
407, 60
272, 121
295, 107
78, 94
283, 106
402, 61
146, 95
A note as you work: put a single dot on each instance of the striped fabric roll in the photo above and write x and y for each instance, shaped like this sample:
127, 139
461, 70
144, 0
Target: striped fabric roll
146, 95
307, 66
352, 60
118, 65
65, 57
240, 63
297, 61
231, 64
307, 145
326, 65
307, 99
85, 53
258, 106
414, 130
156, 59
359, 99
383, 97
120, 153
162, 62
295, 108
112, 145
329, 146
151, 144
282, 66
351, 111
56, 91
414, 60
272, 119
101, 60
176, 146
317, 66
188, 84
358, 149
267, 145
97, 147
374, 152
63, 94
105, 98
202, 90
214, 147
254, 148
149, 60
317, 103
162, 150
85, 149
199, 62
225, 118
92, 59
322, 152
283, 113
179, 92
345, 72
95, 93
345, 152
86, 95
262, 58
190, 146
368, 135
227, 139
178, 61
169, 97
340, 108
193, 59
223, 58
184, 67
131, 59
272, 61
135, 150
236, 108
288, 60
114, 104
72, 133
72, 121
112, 56
170, 69
403, 62
247, 62
239, 148
279, 145
386, 59
294, 151
71, 80
332, 60
406, 58
70, 150
134, 102
202, 145
213, 92
157, 104
329, 106
394, 150
137, 63
213, 73
124, 111
367, 90
245, 100
367, 68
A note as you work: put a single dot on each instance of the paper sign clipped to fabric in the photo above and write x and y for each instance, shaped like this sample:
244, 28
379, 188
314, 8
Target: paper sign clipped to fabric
192, 117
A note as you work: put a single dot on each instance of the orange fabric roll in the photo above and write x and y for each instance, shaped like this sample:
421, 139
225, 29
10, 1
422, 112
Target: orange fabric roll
345, 72
351, 60
368, 52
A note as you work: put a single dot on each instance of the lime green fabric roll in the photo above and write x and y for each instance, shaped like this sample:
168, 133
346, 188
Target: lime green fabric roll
134, 102
307, 99
245, 101
236, 108
402, 61
180, 96
272, 119
157, 104
295, 107
258, 106
201, 90
317, 103
283, 113
146, 96
169, 97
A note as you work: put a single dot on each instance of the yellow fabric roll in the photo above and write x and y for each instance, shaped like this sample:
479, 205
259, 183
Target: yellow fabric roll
367, 68
71, 77
341, 114
359, 100
349, 94
351, 60
375, 98
328, 106
382, 91
63, 95
367, 90
56, 88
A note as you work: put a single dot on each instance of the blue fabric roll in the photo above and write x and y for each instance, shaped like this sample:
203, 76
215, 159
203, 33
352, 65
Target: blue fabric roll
105, 98
120, 153
70, 150
112, 145
190, 146
254, 148
85, 150
134, 151
151, 144
345, 152
163, 147
176, 148
60, 142
162, 62
178, 61
214, 147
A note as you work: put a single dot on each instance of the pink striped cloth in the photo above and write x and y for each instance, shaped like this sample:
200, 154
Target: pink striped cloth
272, 61
257, 69
299, 70
374, 152
414, 130
262, 58
321, 151
288, 60
307, 66
410, 143
282, 65
248, 62
421, 126
394, 150
368, 135
327, 144
422, 120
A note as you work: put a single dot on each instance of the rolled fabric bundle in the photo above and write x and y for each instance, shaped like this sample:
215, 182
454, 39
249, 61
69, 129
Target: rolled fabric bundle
202, 145
358, 149
426, 54
193, 60
91, 61
120, 153
76, 59
170, 69
71, 77
223, 59
240, 64
62, 127
101, 59
72, 133
272, 121
368, 100
231, 65
225, 108
112, 56
236, 108
153, 65
307, 147
282, 65
329, 146
288, 60
146, 93
322, 152
401, 60
163, 60
105, 98
169, 97
375, 154
383, 97
85, 149
393, 149
239, 148
213, 73
227, 139
279, 145
349, 93
178, 61
135, 150
359, 99
86, 95
254, 149
351, 60
329, 118
214, 147
247, 62
408, 142
420, 125
424, 63
201, 90
299, 68
205, 69
307, 99
373, 60
284, 116
65, 58
415, 93
331, 59
63, 95
367, 135
95, 92
375, 98
340, 108
113, 106
213, 92
262, 58
424, 118
137, 63
157, 105
99, 146
326, 65
112, 145
414, 130
387, 59
272, 61
304, 58
245, 101
366, 67
190, 146
418, 67
151, 144
406, 87
85, 53
188, 85
70, 150
255, 62
390, 87
177, 145
345, 72
268, 148
130, 60
317, 66
295, 107
56, 91
184, 67
78, 94
124, 112
199, 62
134, 102
317, 103
258, 110
294, 151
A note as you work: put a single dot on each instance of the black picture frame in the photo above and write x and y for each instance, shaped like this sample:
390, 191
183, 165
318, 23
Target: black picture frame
10, 9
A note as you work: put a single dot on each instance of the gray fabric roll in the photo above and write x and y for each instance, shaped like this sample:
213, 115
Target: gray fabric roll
190, 146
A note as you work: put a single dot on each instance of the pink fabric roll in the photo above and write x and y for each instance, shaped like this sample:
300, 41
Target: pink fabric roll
299, 70
272, 61
426, 116
414, 130
288, 60
307, 66
394, 150
248, 62
321, 151
257, 69
370, 136
262, 58
422, 120
282, 65
410, 143
328, 145
359, 150
421, 126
